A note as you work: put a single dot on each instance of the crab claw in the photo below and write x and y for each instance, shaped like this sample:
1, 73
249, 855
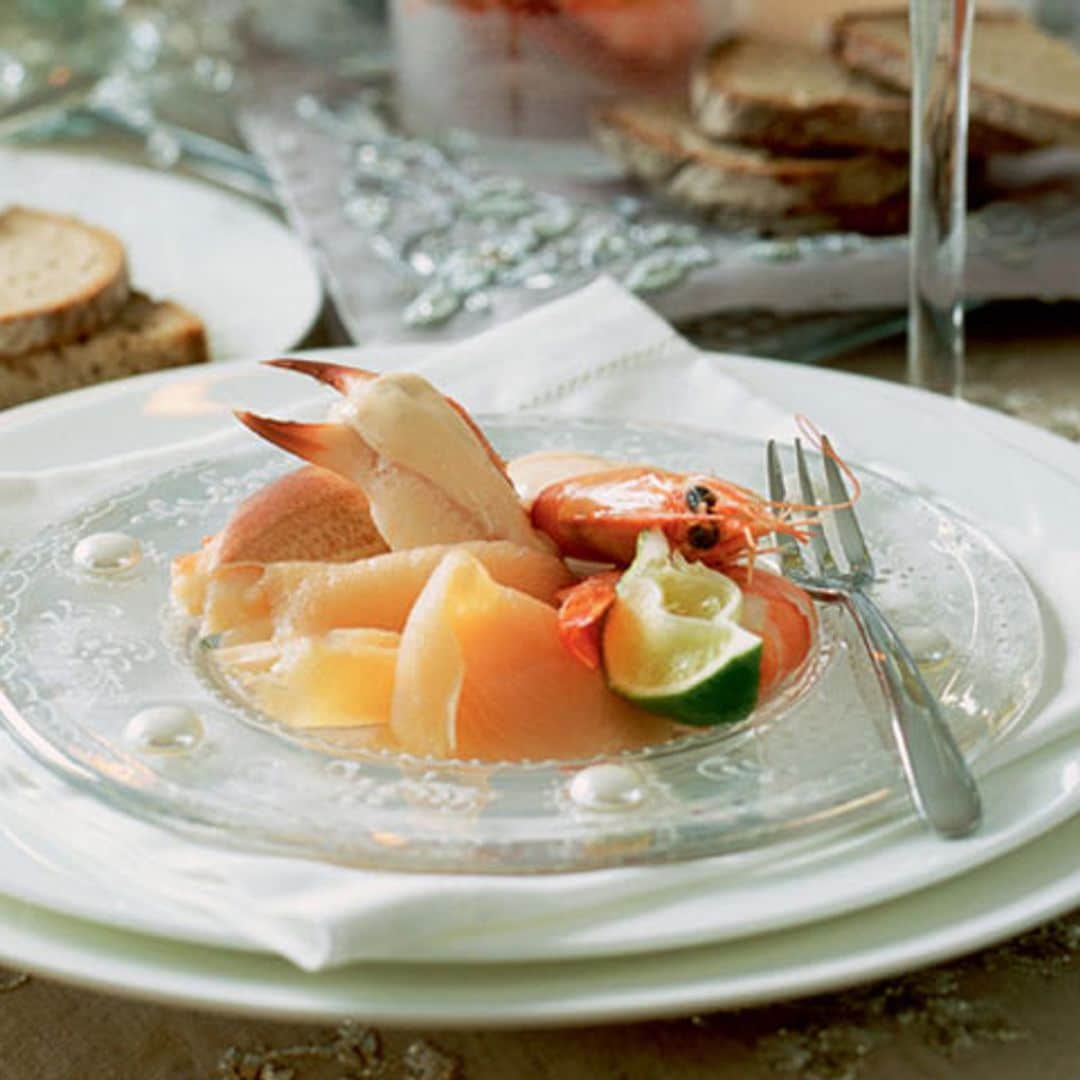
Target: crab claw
331, 445
342, 378
348, 380
428, 472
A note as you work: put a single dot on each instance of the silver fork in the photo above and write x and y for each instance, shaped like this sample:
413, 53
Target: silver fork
941, 786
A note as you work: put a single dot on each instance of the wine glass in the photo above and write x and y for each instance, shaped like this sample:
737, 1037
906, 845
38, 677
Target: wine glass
941, 33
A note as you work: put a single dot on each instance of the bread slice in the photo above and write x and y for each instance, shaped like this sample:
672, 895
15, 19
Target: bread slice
796, 98
1023, 82
60, 279
146, 335
662, 147
793, 97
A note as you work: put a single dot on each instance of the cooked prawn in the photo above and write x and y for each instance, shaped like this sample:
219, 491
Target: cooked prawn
598, 516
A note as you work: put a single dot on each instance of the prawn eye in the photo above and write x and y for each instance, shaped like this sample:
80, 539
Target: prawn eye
702, 537
700, 496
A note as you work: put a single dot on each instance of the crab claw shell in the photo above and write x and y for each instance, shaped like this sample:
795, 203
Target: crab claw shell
408, 510
328, 444
350, 380
429, 473
341, 377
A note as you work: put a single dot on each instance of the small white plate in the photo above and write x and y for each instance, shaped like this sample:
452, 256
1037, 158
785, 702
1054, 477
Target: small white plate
251, 280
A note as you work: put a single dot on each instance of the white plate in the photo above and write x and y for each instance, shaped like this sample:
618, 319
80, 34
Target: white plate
249, 279
1010, 895
909, 429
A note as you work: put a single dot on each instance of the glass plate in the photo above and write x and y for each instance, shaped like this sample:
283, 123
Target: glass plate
84, 654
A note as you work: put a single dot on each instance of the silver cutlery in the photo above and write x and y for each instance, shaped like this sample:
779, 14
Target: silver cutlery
941, 785
73, 99
50, 100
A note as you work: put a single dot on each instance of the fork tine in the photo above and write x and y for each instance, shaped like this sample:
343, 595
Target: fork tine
818, 544
777, 491
790, 554
847, 523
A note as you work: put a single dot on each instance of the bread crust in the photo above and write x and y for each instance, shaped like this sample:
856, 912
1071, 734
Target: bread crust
90, 306
1008, 122
859, 118
145, 336
863, 191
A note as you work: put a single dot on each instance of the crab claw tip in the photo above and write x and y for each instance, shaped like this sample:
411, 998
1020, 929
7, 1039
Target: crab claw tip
304, 440
339, 376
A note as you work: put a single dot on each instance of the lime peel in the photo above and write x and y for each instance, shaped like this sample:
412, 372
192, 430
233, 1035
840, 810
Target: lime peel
672, 641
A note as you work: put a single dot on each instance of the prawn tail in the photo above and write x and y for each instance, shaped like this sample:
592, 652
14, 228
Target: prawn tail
582, 610
821, 443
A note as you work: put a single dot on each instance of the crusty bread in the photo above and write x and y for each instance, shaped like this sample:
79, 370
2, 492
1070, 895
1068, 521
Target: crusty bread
661, 146
1023, 82
60, 279
796, 98
146, 335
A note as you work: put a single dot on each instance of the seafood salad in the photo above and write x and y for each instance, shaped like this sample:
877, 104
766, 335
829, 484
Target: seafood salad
411, 588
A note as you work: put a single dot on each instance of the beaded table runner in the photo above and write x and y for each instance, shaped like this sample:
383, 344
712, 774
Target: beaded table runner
424, 239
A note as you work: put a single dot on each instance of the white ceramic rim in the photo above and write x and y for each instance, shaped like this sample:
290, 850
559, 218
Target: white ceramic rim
1010, 895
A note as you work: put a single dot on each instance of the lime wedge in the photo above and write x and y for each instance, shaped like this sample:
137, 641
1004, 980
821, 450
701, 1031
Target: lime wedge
672, 641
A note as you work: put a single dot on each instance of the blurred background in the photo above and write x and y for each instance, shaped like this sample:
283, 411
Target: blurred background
370, 123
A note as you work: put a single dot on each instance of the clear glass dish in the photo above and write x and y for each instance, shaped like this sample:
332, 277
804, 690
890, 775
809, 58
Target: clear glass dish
84, 654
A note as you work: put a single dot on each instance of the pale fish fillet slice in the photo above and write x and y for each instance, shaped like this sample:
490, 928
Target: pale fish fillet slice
341, 679
430, 672
482, 675
249, 602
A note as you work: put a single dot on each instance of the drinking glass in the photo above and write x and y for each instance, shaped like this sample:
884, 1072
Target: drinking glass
941, 51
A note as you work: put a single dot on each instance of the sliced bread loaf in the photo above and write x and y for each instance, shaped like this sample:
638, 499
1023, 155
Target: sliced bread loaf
145, 335
60, 279
661, 146
1023, 81
793, 97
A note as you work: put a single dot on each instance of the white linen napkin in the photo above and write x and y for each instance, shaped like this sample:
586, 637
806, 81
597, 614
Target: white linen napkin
597, 352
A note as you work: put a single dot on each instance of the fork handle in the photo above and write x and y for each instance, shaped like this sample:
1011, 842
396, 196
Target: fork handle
941, 785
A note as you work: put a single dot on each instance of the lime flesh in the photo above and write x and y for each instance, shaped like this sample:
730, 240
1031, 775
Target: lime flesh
672, 642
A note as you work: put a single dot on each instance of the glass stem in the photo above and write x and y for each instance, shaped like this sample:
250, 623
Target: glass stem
941, 50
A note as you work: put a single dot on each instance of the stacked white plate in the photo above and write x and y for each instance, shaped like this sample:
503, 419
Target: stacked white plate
878, 900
